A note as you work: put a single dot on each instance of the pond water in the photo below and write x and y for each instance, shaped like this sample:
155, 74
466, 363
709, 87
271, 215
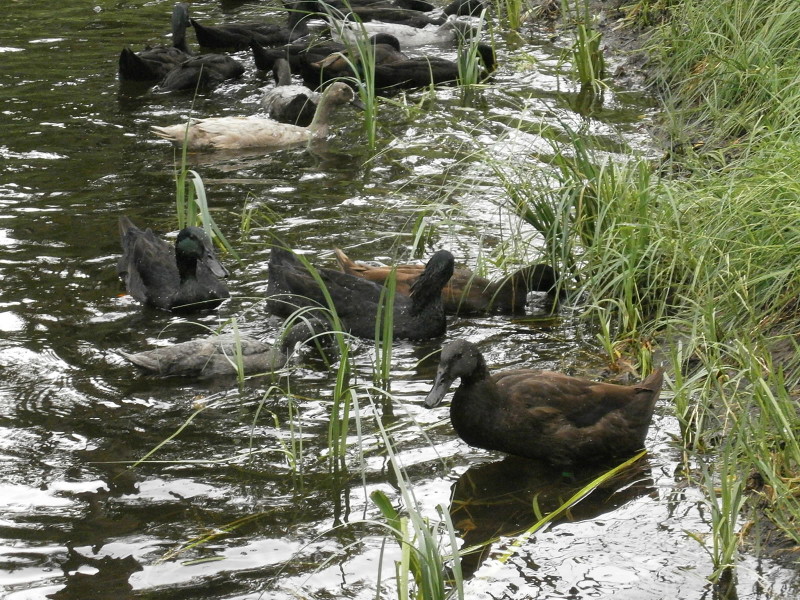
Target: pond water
220, 511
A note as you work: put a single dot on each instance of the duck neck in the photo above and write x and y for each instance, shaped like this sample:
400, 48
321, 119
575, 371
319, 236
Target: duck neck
282, 72
321, 121
180, 21
187, 267
473, 410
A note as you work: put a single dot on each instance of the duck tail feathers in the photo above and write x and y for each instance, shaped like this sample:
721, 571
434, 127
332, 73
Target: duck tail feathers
653, 382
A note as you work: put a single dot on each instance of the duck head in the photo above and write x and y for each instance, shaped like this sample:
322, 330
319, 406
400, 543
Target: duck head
487, 56
428, 287
459, 358
192, 246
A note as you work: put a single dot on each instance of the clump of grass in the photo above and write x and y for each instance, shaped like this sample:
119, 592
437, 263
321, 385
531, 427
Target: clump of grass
730, 68
422, 554
587, 55
361, 59
470, 65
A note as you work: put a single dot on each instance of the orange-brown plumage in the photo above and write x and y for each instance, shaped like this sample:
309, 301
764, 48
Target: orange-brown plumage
466, 292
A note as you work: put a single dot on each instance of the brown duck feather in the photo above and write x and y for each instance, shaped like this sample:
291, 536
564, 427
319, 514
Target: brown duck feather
466, 292
543, 414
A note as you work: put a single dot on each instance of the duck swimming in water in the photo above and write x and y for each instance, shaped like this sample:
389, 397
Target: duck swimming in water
220, 355
357, 301
177, 68
288, 102
255, 131
448, 32
180, 277
153, 64
465, 293
543, 414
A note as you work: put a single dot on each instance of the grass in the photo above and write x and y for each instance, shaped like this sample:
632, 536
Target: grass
699, 270
361, 59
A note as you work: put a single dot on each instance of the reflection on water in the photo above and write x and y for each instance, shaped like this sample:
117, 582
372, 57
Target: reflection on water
503, 498
238, 501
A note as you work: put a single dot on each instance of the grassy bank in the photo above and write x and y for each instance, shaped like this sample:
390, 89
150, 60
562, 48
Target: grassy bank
692, 259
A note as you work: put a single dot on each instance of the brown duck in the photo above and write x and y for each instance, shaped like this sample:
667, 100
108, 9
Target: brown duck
543, 414
466, 292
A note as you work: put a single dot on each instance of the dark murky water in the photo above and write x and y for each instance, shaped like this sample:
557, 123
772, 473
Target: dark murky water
208, 519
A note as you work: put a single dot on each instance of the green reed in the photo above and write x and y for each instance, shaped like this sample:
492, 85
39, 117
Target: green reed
587, 55
421, 541
360, 56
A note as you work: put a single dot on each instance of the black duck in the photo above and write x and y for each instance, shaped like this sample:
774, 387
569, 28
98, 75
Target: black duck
357, 300
543, 414
427, 70
239, 36
153, 64
183, 277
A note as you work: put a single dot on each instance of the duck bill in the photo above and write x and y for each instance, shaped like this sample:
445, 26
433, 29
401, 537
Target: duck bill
441, 385
210, 261
356, 102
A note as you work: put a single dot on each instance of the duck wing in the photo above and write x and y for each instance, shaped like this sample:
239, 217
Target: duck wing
566, 418
147, 266
202, 72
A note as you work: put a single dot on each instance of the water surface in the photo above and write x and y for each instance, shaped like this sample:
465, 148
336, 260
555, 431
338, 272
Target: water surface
206, 517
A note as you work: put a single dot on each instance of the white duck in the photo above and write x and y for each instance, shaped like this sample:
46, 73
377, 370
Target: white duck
255, 131
448, 32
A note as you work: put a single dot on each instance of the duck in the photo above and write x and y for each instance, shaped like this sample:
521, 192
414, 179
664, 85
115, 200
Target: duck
220, 355
287, 102
448, 32
322, 60
256, 131
388, 14
180, 278
466, 293
357, 301
420, 5
204, 72
239, 36
176, 67
465, 8
423, 71
153, 64
211, 356
543, 414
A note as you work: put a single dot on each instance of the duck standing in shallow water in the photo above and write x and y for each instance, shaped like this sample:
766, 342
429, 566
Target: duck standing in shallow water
357, 301
465, 293
183, 277
258, 132
543, 414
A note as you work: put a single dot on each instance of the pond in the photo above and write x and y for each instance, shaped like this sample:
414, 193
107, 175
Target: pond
240, 501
